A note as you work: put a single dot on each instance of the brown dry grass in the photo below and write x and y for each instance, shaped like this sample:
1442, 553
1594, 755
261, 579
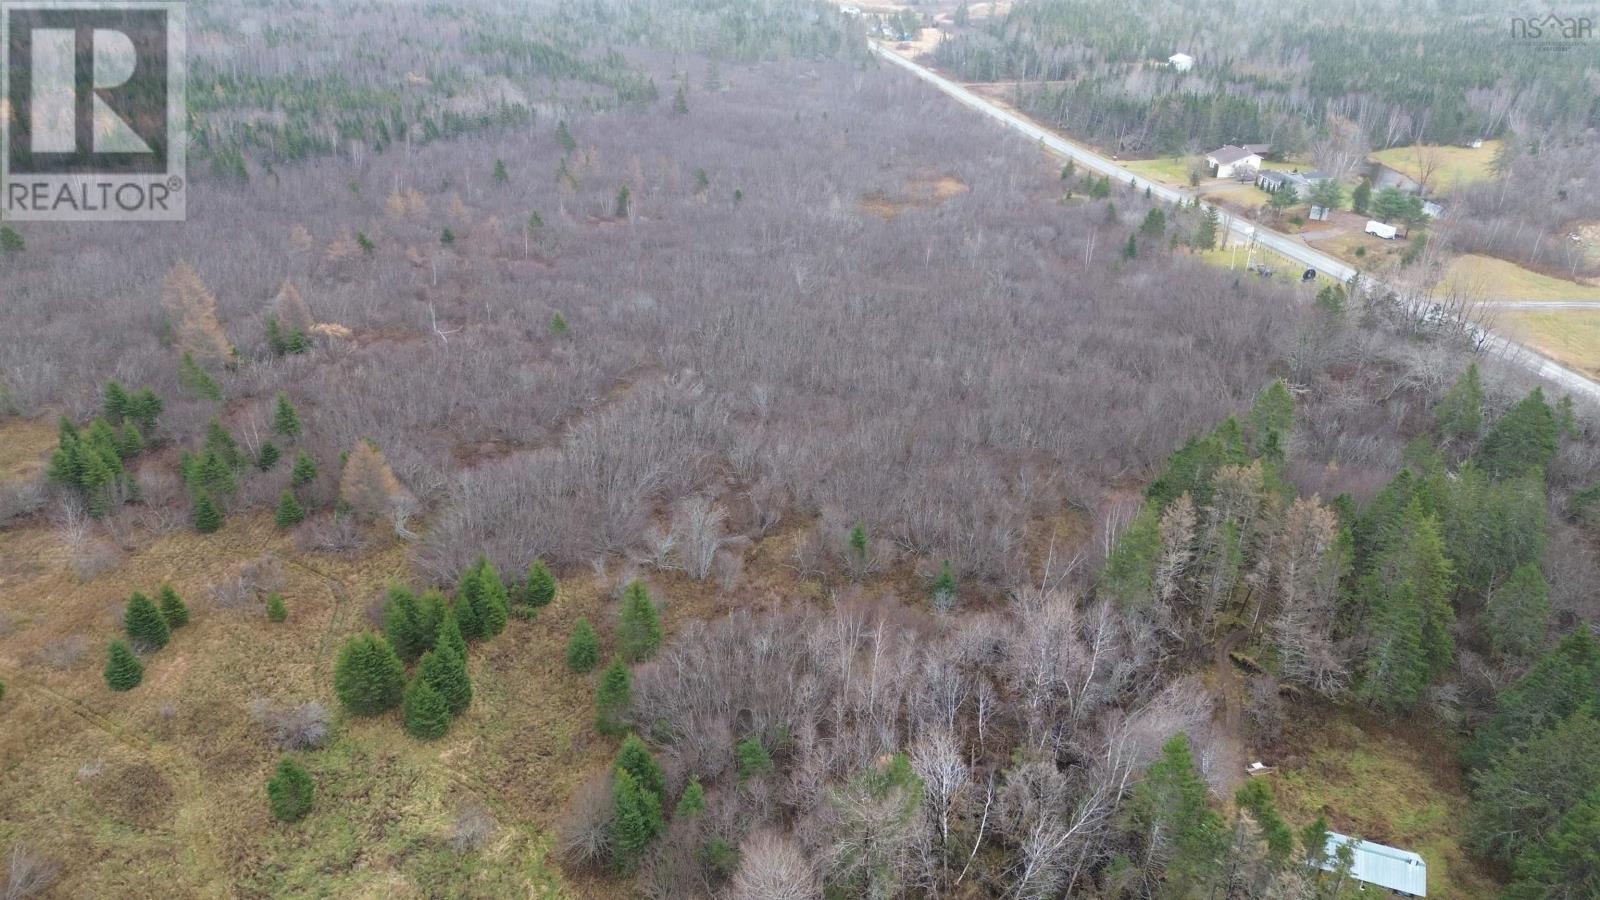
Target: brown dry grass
25, 447
165, 785
918, 193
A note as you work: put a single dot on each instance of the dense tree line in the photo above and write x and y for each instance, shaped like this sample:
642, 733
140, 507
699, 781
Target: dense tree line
1276, 73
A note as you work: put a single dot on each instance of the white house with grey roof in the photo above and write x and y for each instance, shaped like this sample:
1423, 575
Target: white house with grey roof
1398, 871
1229, 160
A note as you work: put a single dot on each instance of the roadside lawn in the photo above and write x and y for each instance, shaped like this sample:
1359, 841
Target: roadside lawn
1496, 279
1173, 170
1568, 336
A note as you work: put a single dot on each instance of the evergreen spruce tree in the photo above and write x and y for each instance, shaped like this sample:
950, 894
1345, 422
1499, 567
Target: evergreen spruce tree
1205, 236
693, 801
1273, 413
173, 608
1519, 612
469, 603
143, 408
117, 402
564, 137
634, 758
403, 625
446, 673
1522, 439
285, 421
427, 714
11, 242
290, 512
613, 697
220, 442
858, 543
1361, 197
207, 516
754, 760
1256, 797
198, 381
1567, 417
146, 627
276, 341
450, 636
290, 792
636, 821
130, 441
123, 669
1170, 807
639, 627
1130, 250
1460, 413
493, 599
540, 588
944, 589
268, 457
501, 176
369, 677
305, 470
1396, 669
1130, 571
583, 649
276, 611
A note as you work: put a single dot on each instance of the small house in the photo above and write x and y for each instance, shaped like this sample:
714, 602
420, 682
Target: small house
1273, 181
1182, 62
1398, 871
1227, 161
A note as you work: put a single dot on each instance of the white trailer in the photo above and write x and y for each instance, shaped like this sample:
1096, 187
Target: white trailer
1387, 232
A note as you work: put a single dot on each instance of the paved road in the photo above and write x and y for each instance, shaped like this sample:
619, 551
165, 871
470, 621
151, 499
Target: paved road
1286, 245
1543, 304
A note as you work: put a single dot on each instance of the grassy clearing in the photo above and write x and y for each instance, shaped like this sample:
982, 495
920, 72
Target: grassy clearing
25, 446
165, 784
1496, 279
1568, 336
1236, 256
1378, 254
1173, 170
1453, 166
1383, 781
1246, 195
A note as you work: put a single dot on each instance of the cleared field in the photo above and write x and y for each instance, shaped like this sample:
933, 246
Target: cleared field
1383, 782
1173, 170
1236, 256
1452, 166
1496, 279
1245, 195
1569, 336
1362, 250
166, 784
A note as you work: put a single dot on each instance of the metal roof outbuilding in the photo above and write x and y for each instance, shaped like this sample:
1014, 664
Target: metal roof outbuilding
1382, 866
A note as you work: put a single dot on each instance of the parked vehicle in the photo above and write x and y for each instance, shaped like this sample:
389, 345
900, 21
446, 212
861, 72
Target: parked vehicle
1387, 232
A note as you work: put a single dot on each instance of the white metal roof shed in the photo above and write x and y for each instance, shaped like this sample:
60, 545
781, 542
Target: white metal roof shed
1380, 865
